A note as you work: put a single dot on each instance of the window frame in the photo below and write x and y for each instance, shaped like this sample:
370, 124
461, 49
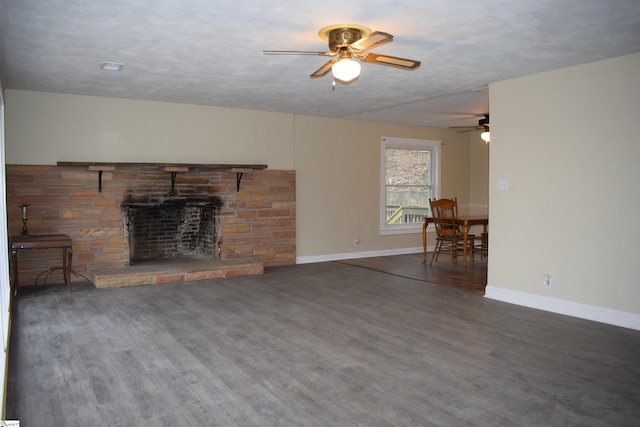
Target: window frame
432, 146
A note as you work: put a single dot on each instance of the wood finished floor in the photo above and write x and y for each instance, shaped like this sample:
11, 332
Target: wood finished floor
474, 279
327, 344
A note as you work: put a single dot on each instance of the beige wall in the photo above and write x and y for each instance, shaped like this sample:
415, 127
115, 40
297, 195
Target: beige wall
568, 142
338, 171
44, 128
336, 161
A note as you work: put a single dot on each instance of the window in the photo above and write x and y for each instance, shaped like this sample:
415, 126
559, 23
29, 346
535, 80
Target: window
408, 179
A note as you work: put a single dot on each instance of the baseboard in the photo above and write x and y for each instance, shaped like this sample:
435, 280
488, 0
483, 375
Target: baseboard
354, 255
574, 309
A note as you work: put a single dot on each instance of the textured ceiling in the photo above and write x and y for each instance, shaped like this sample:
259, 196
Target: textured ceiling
210, 52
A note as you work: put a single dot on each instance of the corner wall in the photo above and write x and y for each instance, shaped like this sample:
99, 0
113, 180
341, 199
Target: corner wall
568, 142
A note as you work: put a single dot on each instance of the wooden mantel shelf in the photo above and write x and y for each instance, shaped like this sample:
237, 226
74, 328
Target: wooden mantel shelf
94, 165
174, 168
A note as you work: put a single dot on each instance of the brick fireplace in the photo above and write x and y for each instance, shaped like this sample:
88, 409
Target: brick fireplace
254, 207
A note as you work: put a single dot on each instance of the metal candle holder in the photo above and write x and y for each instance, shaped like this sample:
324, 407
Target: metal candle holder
24, 217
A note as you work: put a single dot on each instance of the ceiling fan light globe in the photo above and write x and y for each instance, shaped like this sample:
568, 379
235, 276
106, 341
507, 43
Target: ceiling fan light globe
346, 70
486, 137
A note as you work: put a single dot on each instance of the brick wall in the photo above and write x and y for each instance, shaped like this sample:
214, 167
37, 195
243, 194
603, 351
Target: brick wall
259, 221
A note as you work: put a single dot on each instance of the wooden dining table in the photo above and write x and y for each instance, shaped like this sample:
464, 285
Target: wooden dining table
465, 223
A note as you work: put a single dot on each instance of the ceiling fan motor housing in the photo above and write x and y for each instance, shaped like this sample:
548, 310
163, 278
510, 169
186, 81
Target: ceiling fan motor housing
342, 37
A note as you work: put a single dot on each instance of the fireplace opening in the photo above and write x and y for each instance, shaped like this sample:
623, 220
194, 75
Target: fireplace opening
163, 229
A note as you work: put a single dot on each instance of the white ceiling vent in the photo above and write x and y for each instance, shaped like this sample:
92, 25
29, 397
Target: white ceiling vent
112, 66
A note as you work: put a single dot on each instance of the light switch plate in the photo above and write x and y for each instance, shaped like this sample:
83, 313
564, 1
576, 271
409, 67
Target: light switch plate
503, 184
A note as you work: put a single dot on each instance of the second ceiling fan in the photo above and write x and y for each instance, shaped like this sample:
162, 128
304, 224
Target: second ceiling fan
346, 42
483, 125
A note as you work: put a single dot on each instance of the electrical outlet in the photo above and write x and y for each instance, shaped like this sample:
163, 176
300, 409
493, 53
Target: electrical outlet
356, 242
546, 281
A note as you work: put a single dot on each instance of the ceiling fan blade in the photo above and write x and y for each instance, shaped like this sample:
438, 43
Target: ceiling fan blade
375, 39
406, 64
297, 52
324, 69
468, 130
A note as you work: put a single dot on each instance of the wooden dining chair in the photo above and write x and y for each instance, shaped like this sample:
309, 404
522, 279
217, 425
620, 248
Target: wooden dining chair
481, 245
449, 238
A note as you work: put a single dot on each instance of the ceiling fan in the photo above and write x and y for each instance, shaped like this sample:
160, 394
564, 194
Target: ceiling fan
348, 41
483, 124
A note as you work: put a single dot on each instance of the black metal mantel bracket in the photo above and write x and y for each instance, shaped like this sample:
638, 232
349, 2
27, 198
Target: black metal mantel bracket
174, 173
100, 169
239, 174
238, 180
173, 180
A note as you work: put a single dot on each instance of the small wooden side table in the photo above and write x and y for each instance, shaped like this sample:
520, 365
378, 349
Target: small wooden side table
43, 241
